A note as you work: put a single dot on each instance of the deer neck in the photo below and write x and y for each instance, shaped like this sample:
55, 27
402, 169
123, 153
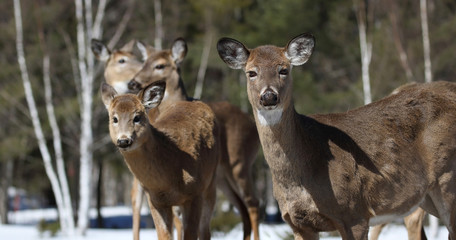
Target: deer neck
284, 144
142, 161
175, 90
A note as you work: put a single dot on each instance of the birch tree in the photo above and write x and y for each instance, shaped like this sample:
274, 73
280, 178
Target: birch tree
426, 44
86, 30
58, 181
433, 221
204, 56
365, 47
392, 13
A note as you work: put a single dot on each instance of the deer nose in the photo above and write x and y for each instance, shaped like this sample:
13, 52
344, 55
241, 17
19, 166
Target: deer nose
134, 85
124, 142
269, 98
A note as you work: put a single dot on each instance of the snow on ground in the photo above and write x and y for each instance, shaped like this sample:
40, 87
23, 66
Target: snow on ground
25, 229
267, 232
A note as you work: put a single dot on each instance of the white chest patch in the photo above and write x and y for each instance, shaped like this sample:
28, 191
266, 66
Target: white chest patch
120, 87
269, 117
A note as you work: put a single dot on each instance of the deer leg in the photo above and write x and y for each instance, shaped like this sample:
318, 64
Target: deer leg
305, 234
414, 224
207, 210
235, 199
245, 182
136, 202
191, 215
375, 232
444, 200
359, 231
177, 222
163, 220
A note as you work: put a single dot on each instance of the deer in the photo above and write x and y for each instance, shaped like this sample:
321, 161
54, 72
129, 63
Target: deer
120, 66
174, 158
240, 142
349, 170
414, 221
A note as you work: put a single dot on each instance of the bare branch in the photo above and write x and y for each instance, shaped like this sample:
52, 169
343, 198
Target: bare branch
122, 25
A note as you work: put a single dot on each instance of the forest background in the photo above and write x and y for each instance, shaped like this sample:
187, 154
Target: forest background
330, 82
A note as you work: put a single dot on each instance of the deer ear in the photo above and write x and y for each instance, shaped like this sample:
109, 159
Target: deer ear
108, 93
179, 50
146, 50
100, 50
233, 52
128, 47
299, 49
153, 94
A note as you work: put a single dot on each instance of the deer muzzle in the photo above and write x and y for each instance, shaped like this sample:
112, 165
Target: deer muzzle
269, 98
134, 85
124, 142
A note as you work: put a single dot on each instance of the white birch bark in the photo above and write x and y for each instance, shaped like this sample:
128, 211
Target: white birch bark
57, 142
203, 66
158, 25
47, 160
426, 44
366, 50
86, 30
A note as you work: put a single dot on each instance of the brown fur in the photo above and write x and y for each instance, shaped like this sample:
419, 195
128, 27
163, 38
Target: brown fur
174, 159
240, 142
121, 65
414, 221
339, 171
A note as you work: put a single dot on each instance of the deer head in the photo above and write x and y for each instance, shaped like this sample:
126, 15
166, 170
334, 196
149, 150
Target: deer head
268, 70
128, 121
120, 65
160, 64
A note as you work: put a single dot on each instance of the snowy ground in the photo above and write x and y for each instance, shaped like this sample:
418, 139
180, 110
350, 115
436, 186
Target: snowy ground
268, 232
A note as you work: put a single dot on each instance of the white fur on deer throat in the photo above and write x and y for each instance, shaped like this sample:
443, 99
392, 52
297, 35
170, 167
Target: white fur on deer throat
120, 87
269, 117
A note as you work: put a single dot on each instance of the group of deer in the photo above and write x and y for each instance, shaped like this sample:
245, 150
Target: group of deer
344, 171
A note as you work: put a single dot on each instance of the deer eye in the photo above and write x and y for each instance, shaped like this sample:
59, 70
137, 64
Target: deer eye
121, 60
283, 72
252, 75
160, 66
115, 120
137, 119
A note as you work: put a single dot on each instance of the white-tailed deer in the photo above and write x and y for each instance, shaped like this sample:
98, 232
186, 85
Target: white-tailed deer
174, 159
346, 171
240, 142
120, 66
414, 221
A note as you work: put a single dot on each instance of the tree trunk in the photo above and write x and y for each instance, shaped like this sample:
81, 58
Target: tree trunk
86, 30
68, 208
56, 186
204, 55
203, 66
158, 25
365, 47
426, 44
398, 42
5, 183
